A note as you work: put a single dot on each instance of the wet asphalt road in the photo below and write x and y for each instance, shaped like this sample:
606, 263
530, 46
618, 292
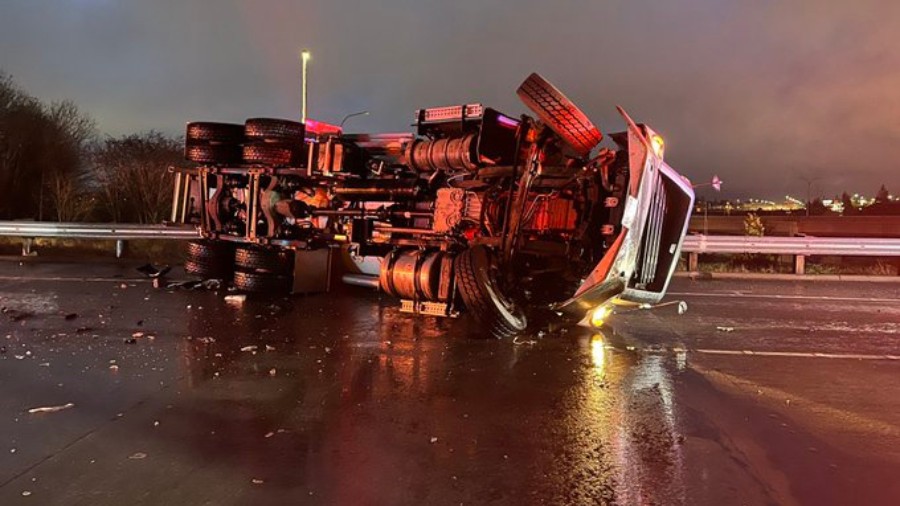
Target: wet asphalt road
762, 393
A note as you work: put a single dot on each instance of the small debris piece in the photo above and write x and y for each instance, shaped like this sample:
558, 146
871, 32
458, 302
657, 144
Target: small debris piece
257, 481
682, 307
725, 329
272, 372
236, 300
137, 335
131, 340
269, 434
114, 368
82, 330
433, 440
206, 340
26, 493
152, 271
270, 348
51, 409
251, 347
137, 456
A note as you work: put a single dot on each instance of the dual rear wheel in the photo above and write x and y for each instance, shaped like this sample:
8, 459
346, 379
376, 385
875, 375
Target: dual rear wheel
249, 268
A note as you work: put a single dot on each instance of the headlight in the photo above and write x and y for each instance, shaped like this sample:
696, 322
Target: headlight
658, 145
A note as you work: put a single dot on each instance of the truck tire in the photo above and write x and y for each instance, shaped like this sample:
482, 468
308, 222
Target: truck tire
216, 154
275, 261
203, 132
265, 153
477, 283
206, 270
270, 129
258, 282
209, 260
209, 251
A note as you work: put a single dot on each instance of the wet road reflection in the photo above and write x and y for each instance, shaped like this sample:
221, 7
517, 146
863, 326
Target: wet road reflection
341, 399
414, 411
181, 398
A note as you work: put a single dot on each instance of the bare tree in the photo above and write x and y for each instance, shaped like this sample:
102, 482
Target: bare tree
66, 176
132, 176
41, 146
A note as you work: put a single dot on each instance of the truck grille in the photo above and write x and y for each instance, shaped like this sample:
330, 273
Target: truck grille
648, 259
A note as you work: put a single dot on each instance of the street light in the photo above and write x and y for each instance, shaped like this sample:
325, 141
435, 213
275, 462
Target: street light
352, 115
304, 58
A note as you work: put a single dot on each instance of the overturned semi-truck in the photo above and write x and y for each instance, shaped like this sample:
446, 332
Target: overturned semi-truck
475, 212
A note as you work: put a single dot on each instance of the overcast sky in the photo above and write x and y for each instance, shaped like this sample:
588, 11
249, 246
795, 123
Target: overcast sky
761, 92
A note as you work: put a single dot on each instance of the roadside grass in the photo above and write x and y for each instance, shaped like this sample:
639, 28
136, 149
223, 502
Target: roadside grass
783, 264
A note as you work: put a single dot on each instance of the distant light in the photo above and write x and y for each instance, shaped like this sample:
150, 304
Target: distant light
600, 314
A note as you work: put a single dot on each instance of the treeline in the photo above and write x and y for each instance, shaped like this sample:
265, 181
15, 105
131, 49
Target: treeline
55, 166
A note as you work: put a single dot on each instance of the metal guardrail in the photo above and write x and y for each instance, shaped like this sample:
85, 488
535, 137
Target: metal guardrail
119, 232
799, 247
837, 246
113, 231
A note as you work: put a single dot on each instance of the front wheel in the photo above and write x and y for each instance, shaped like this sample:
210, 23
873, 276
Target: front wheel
476, 278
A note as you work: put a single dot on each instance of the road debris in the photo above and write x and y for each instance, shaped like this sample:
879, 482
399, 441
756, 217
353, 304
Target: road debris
235, 300
14, 315
251, 348
152, 271
137, 456
206, 284
433, 440
51, 409
725, 329
257, 481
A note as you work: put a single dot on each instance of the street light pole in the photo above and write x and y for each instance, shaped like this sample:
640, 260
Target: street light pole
353, 115
304, 58
809, 180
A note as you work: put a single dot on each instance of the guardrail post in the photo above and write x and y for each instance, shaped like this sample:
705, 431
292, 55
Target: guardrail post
120, 248
27, 244
693, 262
799, 264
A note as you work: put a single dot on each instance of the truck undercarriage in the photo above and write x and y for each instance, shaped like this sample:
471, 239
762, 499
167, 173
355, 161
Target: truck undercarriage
475, 212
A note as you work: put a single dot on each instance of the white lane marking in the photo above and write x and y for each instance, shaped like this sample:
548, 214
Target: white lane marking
79, 280
796, 354
783, 297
